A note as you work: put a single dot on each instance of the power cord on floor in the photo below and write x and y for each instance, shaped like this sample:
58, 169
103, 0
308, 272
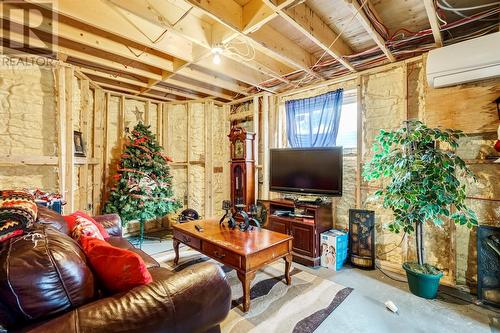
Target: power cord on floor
381, 254
440, 291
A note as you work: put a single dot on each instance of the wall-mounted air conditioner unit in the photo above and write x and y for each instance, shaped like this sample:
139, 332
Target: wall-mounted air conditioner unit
471, 60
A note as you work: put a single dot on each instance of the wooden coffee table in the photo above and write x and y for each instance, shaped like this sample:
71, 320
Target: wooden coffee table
246, 252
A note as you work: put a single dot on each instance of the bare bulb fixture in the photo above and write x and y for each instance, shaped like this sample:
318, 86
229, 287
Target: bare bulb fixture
216, 59
217, 51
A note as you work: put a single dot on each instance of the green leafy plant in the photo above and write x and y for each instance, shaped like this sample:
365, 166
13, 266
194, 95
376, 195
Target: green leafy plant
423, 180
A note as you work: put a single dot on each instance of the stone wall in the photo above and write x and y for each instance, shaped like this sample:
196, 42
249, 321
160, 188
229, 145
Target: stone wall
35, 102
27, 125
196, 138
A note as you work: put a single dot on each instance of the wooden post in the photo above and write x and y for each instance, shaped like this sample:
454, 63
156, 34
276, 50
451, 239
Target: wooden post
273, 122
209, 195
256, 121
61, 128
84, 121
107, 150
404, 245
159, 124
70, 147
359, 145
99, 139
280, 126
147, 107
225, 172
265, 147
165, 131
121, 121
188, 154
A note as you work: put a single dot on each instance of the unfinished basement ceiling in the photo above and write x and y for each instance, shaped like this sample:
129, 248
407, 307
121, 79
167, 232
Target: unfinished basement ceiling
162, 49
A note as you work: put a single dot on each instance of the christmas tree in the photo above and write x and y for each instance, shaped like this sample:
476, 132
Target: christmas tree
143, 188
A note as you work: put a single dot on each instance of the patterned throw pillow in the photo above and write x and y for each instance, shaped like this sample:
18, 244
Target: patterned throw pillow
18, 212
85, 227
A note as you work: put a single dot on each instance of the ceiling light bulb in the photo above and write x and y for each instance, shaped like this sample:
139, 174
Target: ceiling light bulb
216, 59
217, 50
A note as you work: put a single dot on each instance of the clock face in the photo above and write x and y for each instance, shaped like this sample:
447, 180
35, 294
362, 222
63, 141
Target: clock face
238, 149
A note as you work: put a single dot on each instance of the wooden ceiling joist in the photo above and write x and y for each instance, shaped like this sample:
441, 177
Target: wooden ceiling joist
94, 64
268, 40
305, 20
164, 13
90, 13
433, 20
133, 92
162, 49
137, 83
368, 26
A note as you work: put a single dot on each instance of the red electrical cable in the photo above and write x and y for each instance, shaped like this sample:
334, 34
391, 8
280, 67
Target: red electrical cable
395, 45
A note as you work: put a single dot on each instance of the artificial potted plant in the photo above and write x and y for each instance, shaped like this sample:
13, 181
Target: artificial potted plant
425, 184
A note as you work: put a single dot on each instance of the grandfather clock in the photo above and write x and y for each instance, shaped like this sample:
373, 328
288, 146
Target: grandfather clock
242, 168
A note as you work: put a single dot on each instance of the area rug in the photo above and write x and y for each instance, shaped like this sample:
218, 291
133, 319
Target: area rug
274, 306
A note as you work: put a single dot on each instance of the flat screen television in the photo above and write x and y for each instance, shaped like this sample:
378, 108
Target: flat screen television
307, 170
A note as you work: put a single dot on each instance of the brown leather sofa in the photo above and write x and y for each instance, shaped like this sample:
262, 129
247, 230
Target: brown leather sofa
46, 286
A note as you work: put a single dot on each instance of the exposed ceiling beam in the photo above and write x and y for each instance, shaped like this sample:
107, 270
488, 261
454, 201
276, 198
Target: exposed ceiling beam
138, 83
90, 14
255, 14
164, 13
366, 23
87, 38
432, 15
281, 47
105, 64
131, 91
270, 41
304, 19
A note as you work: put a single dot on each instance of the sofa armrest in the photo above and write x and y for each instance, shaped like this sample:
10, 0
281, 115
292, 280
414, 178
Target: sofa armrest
111, 222
194, 300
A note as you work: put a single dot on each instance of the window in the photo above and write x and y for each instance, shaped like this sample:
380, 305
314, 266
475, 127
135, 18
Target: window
310, 121
314, 121
348, 126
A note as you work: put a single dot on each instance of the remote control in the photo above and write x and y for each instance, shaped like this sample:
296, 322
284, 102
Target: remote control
198, 227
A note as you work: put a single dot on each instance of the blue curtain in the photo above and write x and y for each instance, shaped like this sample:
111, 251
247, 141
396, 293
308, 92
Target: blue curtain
314, 122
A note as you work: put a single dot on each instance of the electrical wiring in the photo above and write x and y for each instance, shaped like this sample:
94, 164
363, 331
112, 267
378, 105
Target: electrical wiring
457, 11
248, 55
382, 29
402, 43
440, 5
337, 38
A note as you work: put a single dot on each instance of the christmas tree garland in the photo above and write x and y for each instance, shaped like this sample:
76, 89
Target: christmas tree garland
143, 189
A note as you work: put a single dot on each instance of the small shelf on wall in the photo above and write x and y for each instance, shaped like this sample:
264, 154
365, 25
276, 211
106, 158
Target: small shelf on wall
186, 163
85, 160
10, 160
482, 161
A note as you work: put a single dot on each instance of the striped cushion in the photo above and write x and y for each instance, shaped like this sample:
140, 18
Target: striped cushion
17, 213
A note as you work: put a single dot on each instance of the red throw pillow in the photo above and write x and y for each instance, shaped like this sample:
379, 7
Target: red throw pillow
118, 269
81, 217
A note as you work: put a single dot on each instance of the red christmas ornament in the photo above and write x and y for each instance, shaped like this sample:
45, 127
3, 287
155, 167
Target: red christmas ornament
167, 158
140, 140
497, 146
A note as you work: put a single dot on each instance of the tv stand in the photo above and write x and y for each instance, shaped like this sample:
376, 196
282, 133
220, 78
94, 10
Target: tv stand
305, 223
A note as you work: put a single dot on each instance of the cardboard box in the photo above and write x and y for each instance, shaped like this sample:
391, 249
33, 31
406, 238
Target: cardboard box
333, 249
